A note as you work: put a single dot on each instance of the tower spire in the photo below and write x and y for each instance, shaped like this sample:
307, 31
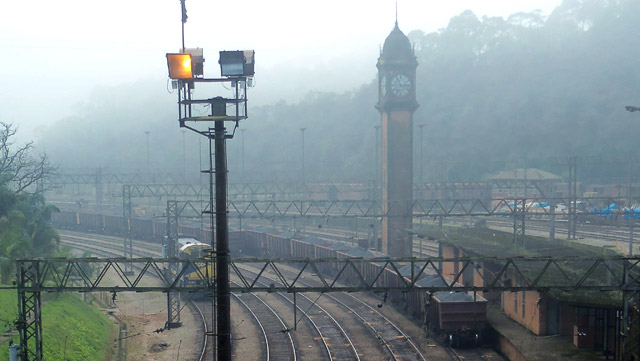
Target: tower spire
396, 14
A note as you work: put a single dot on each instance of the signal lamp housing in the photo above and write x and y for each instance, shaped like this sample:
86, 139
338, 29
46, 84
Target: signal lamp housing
180, 66
197, 60
237, 63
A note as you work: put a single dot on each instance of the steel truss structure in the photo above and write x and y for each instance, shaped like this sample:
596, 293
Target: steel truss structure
334, 275
101, 177
168, 190
166, 185
337, 275
421, 208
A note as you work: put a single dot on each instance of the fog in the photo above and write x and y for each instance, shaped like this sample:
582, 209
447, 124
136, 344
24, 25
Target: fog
505, 84
60, 52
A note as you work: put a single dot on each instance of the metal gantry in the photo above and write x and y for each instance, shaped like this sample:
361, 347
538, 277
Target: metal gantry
577, 274
336, 274
432, 208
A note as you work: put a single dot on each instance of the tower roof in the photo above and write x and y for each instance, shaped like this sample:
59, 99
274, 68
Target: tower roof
397, 44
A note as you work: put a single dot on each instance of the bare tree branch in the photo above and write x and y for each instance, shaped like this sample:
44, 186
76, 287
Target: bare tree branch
19, 169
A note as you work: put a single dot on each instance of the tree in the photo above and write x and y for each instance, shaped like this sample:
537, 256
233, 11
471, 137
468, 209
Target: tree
25, 228
19, 169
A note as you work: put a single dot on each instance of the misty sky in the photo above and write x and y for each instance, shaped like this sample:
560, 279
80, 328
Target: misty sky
56, 52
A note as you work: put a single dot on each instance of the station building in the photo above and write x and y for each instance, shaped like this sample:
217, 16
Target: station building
590, 320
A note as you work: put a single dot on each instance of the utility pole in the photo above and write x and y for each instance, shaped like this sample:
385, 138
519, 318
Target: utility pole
631, 109
222, 244
302, 132
184, 156
146, 132
378, 177
573, 197
421, 141
377, 167
200, 160
243, 174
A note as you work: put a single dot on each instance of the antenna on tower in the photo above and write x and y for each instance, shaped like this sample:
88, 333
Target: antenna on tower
184, 19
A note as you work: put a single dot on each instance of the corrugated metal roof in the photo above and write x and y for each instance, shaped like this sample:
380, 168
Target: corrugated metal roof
519, 174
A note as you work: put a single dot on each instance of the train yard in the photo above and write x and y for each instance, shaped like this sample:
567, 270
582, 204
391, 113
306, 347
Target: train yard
319, 326
336, 327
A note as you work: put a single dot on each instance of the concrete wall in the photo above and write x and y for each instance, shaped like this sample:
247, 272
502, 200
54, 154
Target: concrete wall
449, 268
526, 308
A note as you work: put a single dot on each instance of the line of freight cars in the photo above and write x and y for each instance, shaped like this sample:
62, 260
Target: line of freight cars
148, 228
458, 316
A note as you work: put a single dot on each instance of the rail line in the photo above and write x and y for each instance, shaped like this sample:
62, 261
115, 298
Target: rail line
258, 309
473, 354
276, 332
595, 232
337, 342
265, 344
105, 247
398, 345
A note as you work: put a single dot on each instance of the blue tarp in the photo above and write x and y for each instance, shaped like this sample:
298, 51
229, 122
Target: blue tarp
541, 205
636, 213
607, 212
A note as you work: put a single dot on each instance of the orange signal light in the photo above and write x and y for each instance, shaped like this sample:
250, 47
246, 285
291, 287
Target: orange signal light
180, 66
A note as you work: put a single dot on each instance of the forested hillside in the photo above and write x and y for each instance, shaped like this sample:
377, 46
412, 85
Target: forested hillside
494, 93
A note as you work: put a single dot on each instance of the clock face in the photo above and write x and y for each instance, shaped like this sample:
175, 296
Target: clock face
383, 86
400, 85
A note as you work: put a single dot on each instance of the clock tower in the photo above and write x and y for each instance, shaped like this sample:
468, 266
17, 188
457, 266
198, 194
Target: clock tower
397, 102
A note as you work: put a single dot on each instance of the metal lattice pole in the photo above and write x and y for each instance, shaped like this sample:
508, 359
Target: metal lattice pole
173, 298
29, 312
519, 215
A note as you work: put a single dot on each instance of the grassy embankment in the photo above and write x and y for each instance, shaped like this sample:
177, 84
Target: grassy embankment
66, 319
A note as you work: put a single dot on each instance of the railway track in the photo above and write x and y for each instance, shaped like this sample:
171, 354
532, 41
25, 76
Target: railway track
336, 341
473, 354
276, 340
585, 232
396, 343
266, 319
425, 248
106, 248
279, 342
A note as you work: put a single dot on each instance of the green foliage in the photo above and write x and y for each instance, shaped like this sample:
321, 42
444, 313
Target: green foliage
8, 309
68, 320
25, 230
85, 330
